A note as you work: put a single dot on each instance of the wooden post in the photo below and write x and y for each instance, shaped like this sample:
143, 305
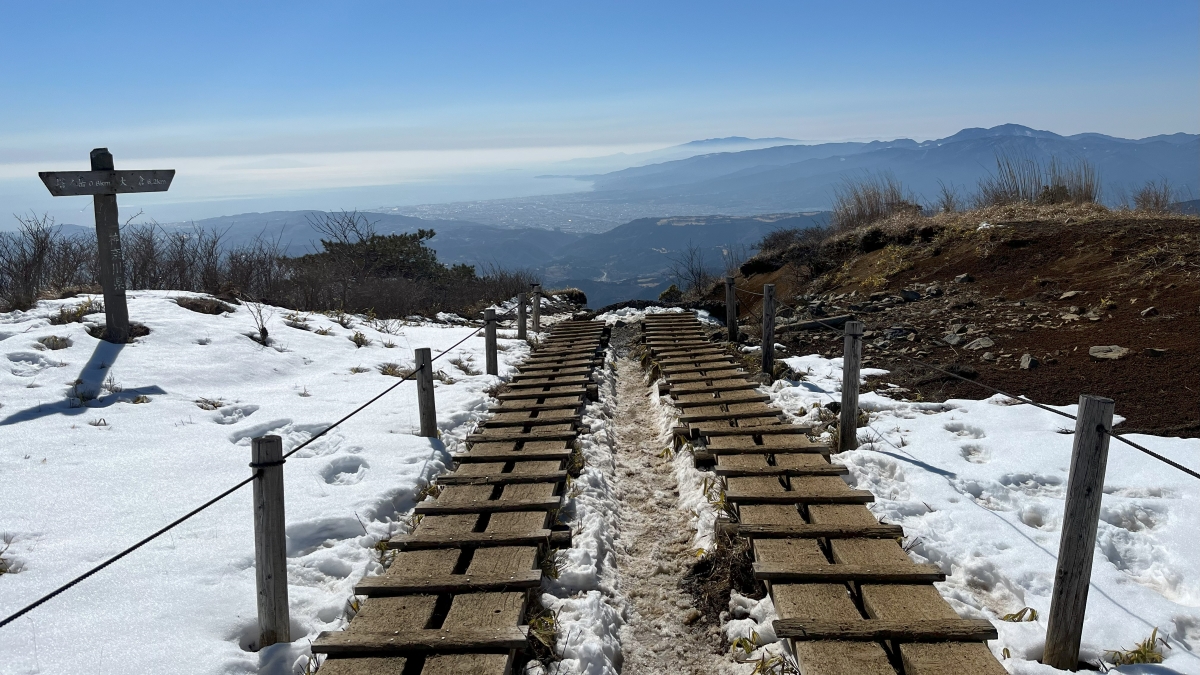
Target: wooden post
851, 365
731, 313
1085, 487
112, 264
270, 541
768, 330
537, 308
521, 301
425, 403
489, 334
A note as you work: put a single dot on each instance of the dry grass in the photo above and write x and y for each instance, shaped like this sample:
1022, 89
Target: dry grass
394, 370
1146, 651
729, 566
859, 201
75, 313
1023, 179
1154, 197
54, 342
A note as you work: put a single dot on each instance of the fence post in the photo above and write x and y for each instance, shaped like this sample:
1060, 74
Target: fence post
425, 403
851, 365
521, 300
270, 541
537, 308
768, 330
731, 313
489, 334
1085, 487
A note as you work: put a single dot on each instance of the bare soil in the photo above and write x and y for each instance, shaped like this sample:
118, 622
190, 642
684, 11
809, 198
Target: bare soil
1050, 289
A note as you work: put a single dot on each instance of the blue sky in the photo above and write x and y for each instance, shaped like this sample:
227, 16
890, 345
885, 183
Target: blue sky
430, 89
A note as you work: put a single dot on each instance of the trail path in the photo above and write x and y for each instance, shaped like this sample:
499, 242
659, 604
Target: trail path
653, 546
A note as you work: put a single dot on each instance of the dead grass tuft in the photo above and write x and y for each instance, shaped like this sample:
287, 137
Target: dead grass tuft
728, 566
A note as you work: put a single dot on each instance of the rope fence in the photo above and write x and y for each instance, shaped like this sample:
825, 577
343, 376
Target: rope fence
255, 475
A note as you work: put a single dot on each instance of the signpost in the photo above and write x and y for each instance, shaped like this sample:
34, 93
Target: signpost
104, 183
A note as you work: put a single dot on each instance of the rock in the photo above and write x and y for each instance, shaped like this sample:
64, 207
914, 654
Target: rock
1154, 351
833, 407
1150, 311
909, 295
878, 295
933, 292
693, 615
964, 279
988, 356
1069, 317
1108, 352
981, 343
1074, 309
1028, 362
952, 339
958, 328
1070, 294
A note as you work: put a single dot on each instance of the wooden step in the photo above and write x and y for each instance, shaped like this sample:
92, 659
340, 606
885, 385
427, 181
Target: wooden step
420, 640
738, 472
503, 435
386, 585
416, 541
875, 630
503, 478
846, 496
807, 573
774, 531
488, 506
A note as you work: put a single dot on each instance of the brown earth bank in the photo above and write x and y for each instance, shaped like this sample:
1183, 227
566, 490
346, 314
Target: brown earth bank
981, 292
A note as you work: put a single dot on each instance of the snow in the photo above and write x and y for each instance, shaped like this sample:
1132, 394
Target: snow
979, 488
78, 484
585, 597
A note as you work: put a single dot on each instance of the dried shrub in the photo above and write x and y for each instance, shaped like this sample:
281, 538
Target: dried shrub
1154, 197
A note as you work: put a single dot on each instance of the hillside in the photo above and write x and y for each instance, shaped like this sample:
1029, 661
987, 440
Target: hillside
1050, 283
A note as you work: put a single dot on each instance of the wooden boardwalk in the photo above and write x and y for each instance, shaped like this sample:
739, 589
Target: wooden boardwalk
850, 601
456, 598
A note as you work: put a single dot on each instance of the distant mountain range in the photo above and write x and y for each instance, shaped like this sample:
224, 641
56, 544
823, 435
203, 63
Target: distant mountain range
802, 177
795, 177
617, 241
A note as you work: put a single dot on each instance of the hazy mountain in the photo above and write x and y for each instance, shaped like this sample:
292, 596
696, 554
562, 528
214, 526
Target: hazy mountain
790, 178
621, 160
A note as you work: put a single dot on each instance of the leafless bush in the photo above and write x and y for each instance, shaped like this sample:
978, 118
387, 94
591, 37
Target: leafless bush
1020, 178
691, 271
949, 201
732, 257
24, 259
1154, 196
260, 315
864, 200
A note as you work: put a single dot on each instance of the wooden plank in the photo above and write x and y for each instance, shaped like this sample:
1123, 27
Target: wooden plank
447, 583
822, 601
543, 392
874, 630
73, 183
713, 429
347, 643
480, 454
709, 398
504, 435
808, 531
549, 403
830, 573
551, 381
488, 506
415, 542
826, 470
733, 384
504, 478
807, 497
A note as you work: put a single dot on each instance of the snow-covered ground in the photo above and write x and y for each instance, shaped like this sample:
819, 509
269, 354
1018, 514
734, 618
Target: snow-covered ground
79, 481
979, 488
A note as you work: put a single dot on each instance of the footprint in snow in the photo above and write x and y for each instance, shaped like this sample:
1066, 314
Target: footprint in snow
975, 454
346, 470
964, 430
232, 414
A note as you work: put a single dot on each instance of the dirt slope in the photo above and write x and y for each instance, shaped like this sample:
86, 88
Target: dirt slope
1047, 283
